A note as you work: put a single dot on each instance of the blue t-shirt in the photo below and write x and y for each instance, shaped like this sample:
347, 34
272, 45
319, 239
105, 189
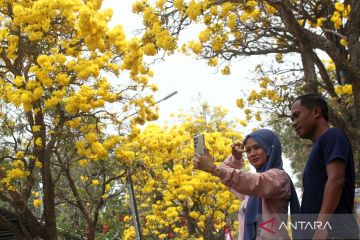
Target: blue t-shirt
330, 146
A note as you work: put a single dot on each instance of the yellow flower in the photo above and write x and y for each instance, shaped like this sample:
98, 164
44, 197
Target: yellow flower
217, 44
232, 21
107, 187
37, 94
201, 224
344, 42
204, 35
91, 137
226, 70
62, 79
18, 164
83, 178
213, 62
154, 87
319, 21
347, 11
37, 203
35, 194
83, 162
160, 4
95, 182
339, 6
20, 155
36, 128
18, 81
99, 149
15, 173
74, 123
129, 233
194, 215
51, 102
150, 49
258, 116
138, 7
38, 164
195, 46
193, 10
336, 19
214, 10
240, 103
344, 89
243, 122
127, 218
105, 196
38, 142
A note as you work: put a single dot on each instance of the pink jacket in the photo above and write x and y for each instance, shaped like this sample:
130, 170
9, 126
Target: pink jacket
273, 186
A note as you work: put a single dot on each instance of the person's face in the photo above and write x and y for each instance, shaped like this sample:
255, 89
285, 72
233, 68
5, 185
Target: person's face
256, 155
303, 120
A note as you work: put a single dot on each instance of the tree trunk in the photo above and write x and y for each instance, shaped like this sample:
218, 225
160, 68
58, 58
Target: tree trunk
91, 231
49, 200
44, 157
310, 85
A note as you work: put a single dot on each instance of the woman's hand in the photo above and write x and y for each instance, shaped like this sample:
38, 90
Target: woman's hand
237, 149
204, 162
235, 160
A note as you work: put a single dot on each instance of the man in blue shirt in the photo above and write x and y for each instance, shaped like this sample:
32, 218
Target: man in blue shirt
328, 178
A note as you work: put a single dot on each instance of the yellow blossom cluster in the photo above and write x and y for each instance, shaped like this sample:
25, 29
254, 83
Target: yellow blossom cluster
341, 11
155, 35
339, 16
344, 89
221, 21
56, 54
168, 152
268, 91
37, 203
194, 9
93, 150
15, 172
240, 103
226, 70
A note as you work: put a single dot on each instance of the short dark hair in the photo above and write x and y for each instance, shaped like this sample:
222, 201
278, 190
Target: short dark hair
311, 100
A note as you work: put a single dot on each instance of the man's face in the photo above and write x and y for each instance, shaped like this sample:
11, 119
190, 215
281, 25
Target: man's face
303, 120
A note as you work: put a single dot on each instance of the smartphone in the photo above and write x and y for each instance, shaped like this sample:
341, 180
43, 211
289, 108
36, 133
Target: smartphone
199, 144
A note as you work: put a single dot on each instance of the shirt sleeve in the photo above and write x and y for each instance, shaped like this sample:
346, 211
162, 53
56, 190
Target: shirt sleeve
230, 161
336, 146
238, 195
271, 184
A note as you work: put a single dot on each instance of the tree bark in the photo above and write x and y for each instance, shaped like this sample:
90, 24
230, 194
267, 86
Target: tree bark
44, 156
91, 231
292, 26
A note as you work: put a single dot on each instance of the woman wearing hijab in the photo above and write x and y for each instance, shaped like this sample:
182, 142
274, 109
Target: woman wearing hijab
270, 189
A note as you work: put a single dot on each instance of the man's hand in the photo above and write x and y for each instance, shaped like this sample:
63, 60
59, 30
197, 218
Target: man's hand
320, 234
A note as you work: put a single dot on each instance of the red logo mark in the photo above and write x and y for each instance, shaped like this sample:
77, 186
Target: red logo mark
272, 222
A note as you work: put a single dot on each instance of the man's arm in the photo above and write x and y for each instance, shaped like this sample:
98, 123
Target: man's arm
334, 186
332, 193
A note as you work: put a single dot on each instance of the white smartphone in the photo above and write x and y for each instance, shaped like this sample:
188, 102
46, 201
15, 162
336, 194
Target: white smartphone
199, 144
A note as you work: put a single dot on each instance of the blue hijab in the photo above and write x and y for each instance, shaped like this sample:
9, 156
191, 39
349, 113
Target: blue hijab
270, 143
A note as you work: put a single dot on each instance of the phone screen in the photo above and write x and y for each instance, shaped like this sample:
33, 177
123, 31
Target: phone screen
199, 144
